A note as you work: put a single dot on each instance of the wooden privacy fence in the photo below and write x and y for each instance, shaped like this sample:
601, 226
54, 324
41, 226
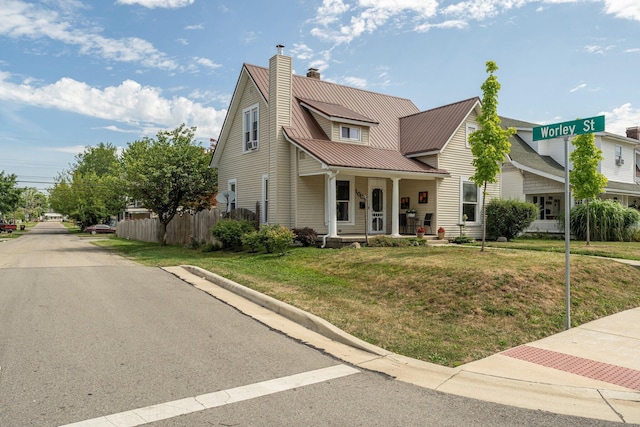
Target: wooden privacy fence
182, 230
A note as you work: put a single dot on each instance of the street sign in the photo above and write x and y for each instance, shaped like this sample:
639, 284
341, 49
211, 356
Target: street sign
575, 127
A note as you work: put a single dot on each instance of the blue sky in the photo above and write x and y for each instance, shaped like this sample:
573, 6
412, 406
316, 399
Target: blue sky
76, 73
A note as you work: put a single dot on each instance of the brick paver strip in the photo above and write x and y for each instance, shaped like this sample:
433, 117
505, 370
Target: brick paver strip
612, 374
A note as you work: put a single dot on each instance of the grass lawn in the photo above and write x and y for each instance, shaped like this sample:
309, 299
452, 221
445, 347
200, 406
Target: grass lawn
447, 305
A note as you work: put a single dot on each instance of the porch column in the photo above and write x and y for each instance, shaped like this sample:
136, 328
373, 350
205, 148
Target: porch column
395, 208
331, 203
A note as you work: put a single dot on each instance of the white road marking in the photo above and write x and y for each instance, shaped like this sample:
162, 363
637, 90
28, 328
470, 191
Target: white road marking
167, 410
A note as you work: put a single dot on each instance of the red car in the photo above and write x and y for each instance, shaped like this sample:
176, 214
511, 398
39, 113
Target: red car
100, 228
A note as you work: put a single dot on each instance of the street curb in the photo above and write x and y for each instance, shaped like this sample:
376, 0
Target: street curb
301, 317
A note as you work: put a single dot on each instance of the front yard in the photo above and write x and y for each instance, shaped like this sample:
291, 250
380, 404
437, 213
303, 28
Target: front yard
447, 305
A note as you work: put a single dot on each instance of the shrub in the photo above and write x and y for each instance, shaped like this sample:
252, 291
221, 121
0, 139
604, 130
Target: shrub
229, 232
609, 221
275, 238
388, 242
509, 218
306, 236
252, 241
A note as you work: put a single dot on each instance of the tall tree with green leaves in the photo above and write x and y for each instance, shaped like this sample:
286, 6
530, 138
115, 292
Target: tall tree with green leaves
586, 181
93, 190
170, 174
9, 195
33, 203
490, 143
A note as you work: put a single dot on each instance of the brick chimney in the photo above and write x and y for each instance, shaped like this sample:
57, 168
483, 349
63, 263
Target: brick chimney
633, 132
313, 73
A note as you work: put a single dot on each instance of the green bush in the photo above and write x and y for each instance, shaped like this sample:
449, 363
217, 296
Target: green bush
509, 218
270, 238
608, 221
306, 236
229, 232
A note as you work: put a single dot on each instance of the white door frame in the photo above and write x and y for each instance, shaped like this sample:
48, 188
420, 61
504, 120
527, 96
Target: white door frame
377, 184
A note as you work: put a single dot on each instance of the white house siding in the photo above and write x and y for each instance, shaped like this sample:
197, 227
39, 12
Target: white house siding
249, 180
512, 184
457, 160
410, 188
307, 165
553, 148
310, 203
324, 123
536, 184
609, 168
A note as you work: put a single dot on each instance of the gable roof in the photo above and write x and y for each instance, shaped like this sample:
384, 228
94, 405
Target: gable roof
430, 130
527, 158
385, 110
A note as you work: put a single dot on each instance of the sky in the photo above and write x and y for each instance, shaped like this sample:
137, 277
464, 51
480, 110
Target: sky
77, 73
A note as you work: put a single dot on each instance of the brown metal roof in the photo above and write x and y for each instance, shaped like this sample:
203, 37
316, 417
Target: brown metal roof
335, 110
375, 107
430, 130
360, 156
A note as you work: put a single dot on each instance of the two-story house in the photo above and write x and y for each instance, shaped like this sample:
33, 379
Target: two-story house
535, 171
342, 160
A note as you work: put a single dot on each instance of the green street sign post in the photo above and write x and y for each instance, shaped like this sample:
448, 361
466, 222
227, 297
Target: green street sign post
564, 130
575, 127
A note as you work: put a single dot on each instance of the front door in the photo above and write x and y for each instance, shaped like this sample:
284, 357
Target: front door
377, 204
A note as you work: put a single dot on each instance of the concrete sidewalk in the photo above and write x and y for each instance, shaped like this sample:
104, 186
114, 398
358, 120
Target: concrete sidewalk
589, 371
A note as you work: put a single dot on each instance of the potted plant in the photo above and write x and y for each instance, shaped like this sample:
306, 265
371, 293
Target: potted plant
420, 232
411, 213
441, 232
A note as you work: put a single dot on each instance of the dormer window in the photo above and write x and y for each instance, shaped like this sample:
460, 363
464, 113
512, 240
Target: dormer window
350, 133
250, 128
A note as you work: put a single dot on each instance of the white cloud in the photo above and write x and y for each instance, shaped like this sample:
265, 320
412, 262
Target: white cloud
129, 104
72, 149
194, 27
618, 120
355, 82
634, 50
207, 63
19, 19
577, 88
152, 4
628, 9
597, 49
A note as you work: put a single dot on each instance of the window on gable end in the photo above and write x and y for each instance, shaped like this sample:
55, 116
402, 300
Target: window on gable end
250, 128
471, 127
350, 133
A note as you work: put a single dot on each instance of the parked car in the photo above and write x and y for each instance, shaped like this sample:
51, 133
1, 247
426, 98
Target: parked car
100, 228
9, 228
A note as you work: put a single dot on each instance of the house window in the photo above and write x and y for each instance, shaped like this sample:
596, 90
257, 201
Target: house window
343, 199
250, 128
470, 200
471, 127
265, 198
619, 160
349, 133
233, 194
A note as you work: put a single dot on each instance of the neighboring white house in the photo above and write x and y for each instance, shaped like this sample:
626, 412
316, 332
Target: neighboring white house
535, 171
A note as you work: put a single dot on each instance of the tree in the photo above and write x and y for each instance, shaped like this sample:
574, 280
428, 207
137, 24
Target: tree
489, 144
93, 189
33, 203
170, 175
586, 181
9, 194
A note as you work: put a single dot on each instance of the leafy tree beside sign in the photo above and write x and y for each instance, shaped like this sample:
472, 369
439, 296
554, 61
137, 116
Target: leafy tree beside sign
489, 144
585, 179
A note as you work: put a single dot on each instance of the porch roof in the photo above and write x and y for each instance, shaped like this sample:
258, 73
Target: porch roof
360, 156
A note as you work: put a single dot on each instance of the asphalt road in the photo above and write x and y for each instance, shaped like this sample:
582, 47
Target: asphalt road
85, 334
